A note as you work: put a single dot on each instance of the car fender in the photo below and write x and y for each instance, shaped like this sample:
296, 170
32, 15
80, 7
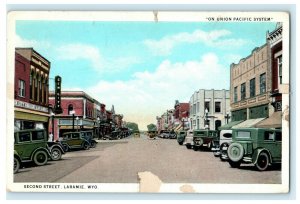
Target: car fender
38, 149
84, 141
257, 152
58, 146
16, 155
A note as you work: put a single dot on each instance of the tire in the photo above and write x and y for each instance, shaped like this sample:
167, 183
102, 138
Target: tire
235, 152
93, 144
180, 143
262, 162
86, 146
56, 154
188, 146
209, 146
40, 158
17, 165
234, 164
195, 148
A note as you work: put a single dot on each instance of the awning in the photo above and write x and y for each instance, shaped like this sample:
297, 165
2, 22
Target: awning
248, 123
274, 121
229, 125
31, 116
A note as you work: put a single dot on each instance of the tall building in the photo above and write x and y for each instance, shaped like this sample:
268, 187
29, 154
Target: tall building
31, 89
250, 85
209, 109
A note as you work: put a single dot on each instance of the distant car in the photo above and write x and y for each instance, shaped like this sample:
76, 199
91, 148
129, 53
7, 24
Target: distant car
89, 136
152, 134
188, 141
164, 134
172, 135
30, 145
204, 138
74, 140
181, 136
259, 146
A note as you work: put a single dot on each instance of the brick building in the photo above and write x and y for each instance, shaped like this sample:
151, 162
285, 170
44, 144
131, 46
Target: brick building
31, 89
181, 115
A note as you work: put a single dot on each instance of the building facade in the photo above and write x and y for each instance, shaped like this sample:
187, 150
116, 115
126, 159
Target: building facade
209, 109
181, 115
78, 113
31, 90
250, 85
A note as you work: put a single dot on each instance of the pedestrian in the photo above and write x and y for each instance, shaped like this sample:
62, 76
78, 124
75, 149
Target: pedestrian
50, 139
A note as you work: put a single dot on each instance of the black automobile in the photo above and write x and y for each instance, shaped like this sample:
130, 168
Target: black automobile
89, 136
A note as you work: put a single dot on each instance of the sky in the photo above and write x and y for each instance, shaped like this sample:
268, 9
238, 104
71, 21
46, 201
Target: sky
141, 67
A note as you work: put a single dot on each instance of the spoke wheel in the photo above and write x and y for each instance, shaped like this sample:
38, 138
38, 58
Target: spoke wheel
262, 162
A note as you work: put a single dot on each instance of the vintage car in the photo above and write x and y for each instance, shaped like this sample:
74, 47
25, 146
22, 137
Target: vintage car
89, 136
172, 135
204, 138
74, 140
30, 145
136, 134
181, 136
164, 134
260, 146
56, 150
152, 134
225, 141
188, 140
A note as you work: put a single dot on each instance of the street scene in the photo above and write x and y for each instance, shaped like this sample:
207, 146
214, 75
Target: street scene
189, 102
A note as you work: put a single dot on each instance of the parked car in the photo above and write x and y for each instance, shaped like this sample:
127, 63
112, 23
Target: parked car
74, 140
204, 138
188, 140
172, 135
56, 150
260, 146
225, 141
89, 136
181, 137
30, 146
164, 134
215, 147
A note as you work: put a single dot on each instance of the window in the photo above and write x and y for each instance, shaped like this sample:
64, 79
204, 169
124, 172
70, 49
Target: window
35, 89
243, 91
262, 83
198, 127
206, 106
227, 135
45, 90
252, 87
75, 136
197, 109
24, 136
217, 107
278, 136
279, 64
31, 81
235, 94
269, 135
242, 134
70, 108
40, 90
38, 135
21, 88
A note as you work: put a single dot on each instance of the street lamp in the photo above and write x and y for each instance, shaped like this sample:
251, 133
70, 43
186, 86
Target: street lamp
52, 117
182, 123
227, 117
98, 120
77, 118
206, 119
73, 117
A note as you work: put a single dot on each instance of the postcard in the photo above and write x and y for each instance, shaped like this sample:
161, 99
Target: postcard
152, 101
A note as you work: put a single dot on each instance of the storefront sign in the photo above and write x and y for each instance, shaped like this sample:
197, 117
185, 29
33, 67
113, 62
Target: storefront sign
23, 104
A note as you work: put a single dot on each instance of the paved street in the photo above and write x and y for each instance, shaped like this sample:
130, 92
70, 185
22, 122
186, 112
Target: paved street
120, 161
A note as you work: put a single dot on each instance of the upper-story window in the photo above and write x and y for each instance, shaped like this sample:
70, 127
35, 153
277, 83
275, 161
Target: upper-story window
70, 109
235, 94
206, 106
31, 85
252, 87
21, 88
262, 82
217, 107
243, 91
279, 64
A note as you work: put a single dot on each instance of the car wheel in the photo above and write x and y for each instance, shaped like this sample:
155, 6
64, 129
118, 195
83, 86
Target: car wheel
195, 148
40, 158
235, 152
17, 165
188, 146
86, 146
56, 154
180, 143
262, 162
234, 164
93, 145
222, 158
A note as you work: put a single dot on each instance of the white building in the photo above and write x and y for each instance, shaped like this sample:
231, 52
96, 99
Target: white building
217, 104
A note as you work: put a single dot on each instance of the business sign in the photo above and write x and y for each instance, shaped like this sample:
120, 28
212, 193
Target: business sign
30, 106
57, 106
